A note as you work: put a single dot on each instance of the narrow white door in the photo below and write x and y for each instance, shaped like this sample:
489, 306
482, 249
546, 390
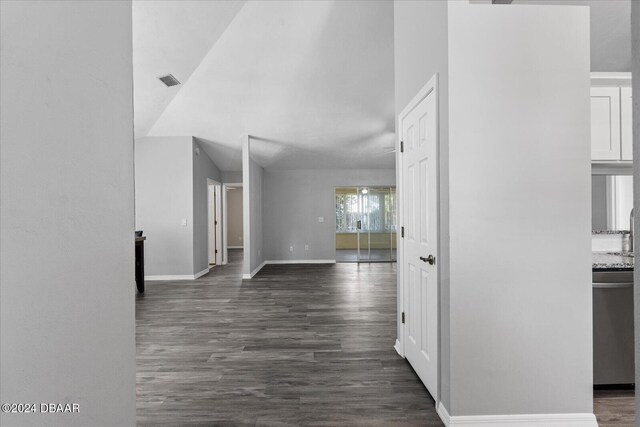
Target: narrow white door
212, 224
420, 244
217, 226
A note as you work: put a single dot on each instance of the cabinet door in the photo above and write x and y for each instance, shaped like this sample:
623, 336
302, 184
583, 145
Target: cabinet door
626, 124
605, 123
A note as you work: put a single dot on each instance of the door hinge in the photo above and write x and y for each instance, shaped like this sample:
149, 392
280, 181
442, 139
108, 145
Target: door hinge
401, 231
216, 251
403, 317
402, 146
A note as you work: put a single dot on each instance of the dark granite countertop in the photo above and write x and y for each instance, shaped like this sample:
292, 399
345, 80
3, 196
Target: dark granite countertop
610, 232
612, 261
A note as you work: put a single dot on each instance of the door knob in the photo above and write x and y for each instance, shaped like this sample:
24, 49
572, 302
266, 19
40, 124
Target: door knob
430, 259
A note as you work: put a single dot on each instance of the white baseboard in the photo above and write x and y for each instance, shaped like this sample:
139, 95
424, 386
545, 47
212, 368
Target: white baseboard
254, 272
518, 420
235, 247
398, 348
177, 276
170, 277
201, 273
301, 261
444, 414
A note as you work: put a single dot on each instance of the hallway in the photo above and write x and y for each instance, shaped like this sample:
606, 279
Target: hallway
297, 345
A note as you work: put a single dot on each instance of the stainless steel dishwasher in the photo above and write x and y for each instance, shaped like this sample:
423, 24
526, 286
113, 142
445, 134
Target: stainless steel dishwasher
613, 339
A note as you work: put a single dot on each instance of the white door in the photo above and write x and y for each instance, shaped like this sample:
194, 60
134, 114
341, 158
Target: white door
626, 123
419, 127
605, 123
212, 225
217, 226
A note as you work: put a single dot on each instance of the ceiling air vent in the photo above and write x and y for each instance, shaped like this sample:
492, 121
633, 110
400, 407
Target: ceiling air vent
169, 80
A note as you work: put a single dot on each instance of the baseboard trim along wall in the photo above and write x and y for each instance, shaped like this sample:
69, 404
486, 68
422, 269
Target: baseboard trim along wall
235, 247
444, 414
398, 348
301, 261
519, 420
201, 273
254, 272
178, 276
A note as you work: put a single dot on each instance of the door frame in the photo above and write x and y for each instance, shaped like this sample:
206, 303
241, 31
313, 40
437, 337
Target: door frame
431, 86
223, 190
214, 190
225, 216
360, 260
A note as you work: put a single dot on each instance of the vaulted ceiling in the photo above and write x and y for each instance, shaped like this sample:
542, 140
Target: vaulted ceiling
171, 37
311, 80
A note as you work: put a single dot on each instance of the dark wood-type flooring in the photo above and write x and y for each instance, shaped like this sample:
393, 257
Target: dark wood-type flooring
614, 407
296, 345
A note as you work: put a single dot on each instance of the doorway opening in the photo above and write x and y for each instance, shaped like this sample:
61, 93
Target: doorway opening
214, 222
366, 224
233, 221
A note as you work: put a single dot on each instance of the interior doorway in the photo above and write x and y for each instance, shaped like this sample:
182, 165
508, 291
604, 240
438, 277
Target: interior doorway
233, 218
366, 224
214, 222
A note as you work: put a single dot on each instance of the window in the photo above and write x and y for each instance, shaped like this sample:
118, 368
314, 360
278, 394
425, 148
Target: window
390, 211
347, 211
374, 207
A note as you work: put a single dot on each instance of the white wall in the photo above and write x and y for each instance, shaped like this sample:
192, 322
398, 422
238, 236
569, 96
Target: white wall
203, 168
281, 209
232, 177
421, 41
519, 171
252, 183
67, 247
293, 201
164, 197
171, 186
234, 217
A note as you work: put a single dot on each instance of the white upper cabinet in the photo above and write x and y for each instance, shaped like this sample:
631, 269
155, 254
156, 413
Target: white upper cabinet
605, 123
626, 124
611, 118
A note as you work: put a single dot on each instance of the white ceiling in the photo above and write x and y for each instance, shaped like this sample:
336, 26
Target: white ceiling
312, 81
171, 37
610, 31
